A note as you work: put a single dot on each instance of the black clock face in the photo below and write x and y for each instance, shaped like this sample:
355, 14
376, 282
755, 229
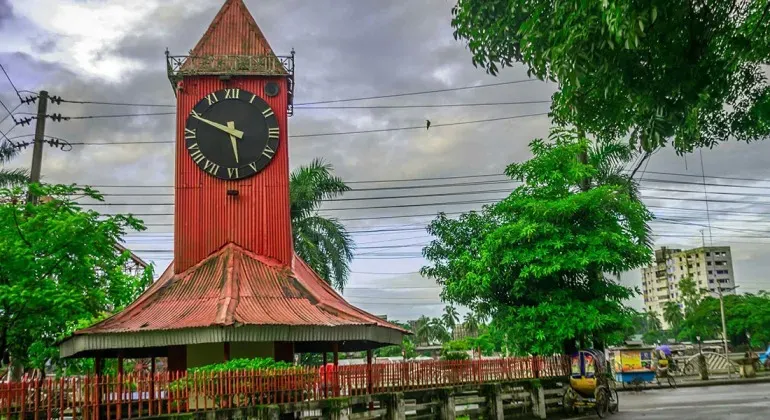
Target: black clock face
232, 134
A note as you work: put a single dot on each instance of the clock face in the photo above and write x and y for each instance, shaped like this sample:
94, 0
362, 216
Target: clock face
232, 134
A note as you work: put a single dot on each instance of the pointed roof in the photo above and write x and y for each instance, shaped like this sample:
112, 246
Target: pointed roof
233, 44
233, 32
256, 297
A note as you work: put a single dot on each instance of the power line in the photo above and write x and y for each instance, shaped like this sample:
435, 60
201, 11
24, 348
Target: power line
11, 82
396, 95
61, 100
457, 105
340, 133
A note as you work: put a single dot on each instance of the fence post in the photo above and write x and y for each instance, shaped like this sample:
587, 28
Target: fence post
538, 400
447, 404
494, 401
394, 406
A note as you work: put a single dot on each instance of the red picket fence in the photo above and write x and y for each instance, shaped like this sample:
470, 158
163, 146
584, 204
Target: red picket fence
138, 395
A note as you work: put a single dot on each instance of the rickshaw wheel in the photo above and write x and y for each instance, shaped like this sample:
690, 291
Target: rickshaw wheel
602, 401
614, 403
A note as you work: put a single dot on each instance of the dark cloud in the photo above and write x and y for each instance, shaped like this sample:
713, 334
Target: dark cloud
6, 13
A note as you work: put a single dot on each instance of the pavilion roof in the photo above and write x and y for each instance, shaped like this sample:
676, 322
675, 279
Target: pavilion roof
236, 295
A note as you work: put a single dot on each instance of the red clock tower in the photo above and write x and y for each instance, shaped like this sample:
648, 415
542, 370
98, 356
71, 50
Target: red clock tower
235, 287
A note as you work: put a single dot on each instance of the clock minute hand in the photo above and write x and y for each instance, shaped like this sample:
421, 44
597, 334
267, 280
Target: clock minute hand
230, 131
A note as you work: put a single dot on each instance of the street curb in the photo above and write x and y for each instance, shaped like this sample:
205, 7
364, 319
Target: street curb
716, 382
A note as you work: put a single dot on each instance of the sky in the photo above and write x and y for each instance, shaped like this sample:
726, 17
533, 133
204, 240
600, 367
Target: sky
113, 51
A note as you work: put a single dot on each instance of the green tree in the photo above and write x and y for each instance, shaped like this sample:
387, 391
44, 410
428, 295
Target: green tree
422, 330
10, 177
672, 314
534, 261
691, 295
59, 266
652, 71
322, 242
450, 317
747, 313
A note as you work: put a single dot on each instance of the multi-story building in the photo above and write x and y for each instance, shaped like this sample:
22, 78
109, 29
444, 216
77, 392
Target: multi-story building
707, 266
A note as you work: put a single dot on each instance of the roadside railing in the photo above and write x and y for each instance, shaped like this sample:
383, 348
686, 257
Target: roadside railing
138, 395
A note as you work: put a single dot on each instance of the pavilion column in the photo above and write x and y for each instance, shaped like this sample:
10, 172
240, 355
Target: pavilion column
369, 385
336, 358
121, 379
227, 351
152, 378
323, 369
98, 370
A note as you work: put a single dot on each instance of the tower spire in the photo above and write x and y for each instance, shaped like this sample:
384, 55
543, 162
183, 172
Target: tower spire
233, 32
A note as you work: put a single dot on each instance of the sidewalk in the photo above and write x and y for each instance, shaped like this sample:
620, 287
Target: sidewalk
714, 380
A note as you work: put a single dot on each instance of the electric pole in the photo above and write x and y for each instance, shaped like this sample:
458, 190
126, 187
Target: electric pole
721, 302
37, 149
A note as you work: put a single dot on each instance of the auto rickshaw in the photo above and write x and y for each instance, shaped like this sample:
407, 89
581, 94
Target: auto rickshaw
589, 385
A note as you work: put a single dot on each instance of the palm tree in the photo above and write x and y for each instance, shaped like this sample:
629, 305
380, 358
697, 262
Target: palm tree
471, 323
439, 333
10, 177
673, 316
422, 330
450, 317
322, 242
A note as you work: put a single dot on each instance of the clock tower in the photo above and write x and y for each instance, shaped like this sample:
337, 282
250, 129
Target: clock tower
234, 97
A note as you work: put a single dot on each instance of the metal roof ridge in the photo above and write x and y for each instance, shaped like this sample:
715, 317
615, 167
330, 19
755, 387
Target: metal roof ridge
244, 12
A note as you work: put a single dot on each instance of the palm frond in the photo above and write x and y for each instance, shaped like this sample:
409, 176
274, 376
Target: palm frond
13, 177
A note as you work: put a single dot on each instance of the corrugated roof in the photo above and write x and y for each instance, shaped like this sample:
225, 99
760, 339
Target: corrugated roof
235, 287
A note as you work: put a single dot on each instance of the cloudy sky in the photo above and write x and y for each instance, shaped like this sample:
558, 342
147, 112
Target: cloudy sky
112, 50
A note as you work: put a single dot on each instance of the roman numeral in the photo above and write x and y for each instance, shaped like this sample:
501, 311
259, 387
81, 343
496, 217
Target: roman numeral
253, 166
268, 152
232, 172
253, 96
212, 98
195, 153
189, 134
232, 93
268, 112
272, 133
211, 167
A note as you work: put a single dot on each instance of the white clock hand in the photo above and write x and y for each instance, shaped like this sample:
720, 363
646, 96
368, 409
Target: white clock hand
231, 126
230, 131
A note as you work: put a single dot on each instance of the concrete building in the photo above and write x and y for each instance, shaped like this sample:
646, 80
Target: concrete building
707, 266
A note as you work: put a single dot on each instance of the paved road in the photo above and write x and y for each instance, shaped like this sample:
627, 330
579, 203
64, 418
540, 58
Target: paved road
727, 402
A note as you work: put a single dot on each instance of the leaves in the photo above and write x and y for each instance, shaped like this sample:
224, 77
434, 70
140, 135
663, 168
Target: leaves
696, 71
60, 265
534, 261
322, 242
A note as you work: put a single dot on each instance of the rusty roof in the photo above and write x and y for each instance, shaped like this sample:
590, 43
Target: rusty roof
235, 287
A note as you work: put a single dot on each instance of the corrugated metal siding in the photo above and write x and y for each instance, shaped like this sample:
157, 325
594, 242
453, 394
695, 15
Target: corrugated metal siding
237, 287
206, 218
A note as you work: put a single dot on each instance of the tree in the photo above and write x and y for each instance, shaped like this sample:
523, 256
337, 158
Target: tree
747, 313
653, 71
535, 260
672, 314
450, 317
10, 177
59, 266
422, 330
322, 242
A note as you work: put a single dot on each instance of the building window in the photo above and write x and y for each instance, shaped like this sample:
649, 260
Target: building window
708, 254
711, 272
711, 281
708, 262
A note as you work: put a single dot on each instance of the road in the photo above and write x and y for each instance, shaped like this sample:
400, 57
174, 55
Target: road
726, 402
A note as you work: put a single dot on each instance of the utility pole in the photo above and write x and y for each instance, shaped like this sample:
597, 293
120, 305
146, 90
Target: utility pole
37, 149
721, 302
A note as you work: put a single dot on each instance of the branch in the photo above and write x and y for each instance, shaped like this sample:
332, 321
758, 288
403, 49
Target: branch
639, 164
18, 229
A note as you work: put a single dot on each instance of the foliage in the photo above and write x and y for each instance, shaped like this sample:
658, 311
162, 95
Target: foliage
454, 355
59, 265
257, 363
673, 316
431, 330
691, 295
405, 350
322, 242
747, 313
10, 177
450, 317
534, 260
652, 71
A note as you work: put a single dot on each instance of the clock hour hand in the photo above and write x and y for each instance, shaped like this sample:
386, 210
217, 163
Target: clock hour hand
233, 142
230, 131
